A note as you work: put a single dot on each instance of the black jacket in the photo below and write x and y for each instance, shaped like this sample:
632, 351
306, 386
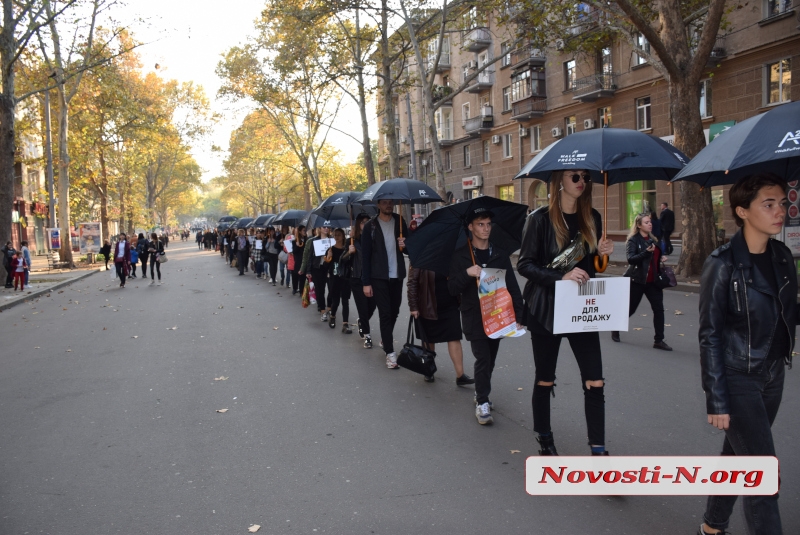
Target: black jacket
375, 260
639, 259
539, 248
739, 313
237, 250
352, 262
667, 219
461, 285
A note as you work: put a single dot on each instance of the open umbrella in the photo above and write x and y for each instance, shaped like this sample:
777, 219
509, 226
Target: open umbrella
316, 221
263, 220
343, 206
399, 189
611, 155
289, 218
769, 142
431, 246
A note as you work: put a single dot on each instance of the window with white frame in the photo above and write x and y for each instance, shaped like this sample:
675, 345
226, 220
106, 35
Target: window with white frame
705, 98
444, 123
507, 142
570, 124
773, 8
467, 159
643, 121
465, 111
604, 117
520, 85
536, 138
570, 75
448, 160
779, 81
507, 98
604, 60
505, 50
487, 151
643, 45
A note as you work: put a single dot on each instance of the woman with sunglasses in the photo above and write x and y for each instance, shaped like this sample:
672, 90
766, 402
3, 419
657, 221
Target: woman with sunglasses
568, 222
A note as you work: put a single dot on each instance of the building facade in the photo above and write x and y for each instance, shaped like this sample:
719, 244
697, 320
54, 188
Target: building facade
530, 98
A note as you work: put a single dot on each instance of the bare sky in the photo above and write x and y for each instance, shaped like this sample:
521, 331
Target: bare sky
186, 40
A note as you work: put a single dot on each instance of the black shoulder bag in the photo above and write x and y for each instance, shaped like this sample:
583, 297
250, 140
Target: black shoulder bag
416, 357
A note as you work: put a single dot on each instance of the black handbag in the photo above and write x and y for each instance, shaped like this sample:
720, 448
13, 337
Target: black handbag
666, 278
416, 358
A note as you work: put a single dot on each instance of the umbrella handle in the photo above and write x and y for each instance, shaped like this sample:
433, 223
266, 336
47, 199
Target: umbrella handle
600, 265
400, 213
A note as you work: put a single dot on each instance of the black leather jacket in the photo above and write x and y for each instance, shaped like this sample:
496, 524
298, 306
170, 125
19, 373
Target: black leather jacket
539, 248
739, 313
639, 258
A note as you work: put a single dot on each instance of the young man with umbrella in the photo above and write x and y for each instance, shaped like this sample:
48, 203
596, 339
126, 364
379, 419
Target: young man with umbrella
464, 274
383, 270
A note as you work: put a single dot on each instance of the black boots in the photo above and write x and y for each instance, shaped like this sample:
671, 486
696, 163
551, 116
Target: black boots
548, 447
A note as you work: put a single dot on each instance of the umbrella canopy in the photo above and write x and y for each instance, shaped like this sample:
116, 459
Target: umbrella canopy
769, 142
405, 190
431, 246
243, 222
343, 206
611, 155
316, 221
290, 218
263, 220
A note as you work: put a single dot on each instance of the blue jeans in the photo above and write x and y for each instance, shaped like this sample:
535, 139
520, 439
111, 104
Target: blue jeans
259, 267
754, 401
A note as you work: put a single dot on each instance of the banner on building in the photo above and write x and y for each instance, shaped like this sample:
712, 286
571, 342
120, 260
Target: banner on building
90, 236
54, 237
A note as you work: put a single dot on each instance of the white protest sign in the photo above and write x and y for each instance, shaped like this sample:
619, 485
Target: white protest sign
288, 245
259, 244
322, 245
597, 305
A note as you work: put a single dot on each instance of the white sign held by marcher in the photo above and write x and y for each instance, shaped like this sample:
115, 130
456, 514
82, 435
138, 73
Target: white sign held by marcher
322, 245
597, 305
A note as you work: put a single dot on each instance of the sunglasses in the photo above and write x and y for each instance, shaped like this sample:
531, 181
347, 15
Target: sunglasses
577, 176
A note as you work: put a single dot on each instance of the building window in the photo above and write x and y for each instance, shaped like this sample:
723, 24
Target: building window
705, 98
448, 160
570, 125
604, 117
507, 143
644, 45
779, 81
538, 195
536, 138
604, 61
487, 151
506, 98
640, 197
465, 111
505, 50
505, 193
569, 75
776, 7
467, 160
643, 113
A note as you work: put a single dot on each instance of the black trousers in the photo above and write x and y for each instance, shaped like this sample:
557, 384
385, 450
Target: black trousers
155, 265
388, 295
586, 348
133, 268
364, 305
340, 293
297, 280
10, 276
667, 244
143, 259
241, 260
319, 276
655, 295
485, 352
120, 267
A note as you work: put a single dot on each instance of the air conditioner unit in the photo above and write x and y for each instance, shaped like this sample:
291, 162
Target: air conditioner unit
559, 44
588, 123
472, 65
523, 132
496, 140
556, 132
403, 140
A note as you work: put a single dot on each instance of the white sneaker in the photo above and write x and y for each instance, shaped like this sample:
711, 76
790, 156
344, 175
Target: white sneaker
325, 316
28, 286
391, 361
483, 414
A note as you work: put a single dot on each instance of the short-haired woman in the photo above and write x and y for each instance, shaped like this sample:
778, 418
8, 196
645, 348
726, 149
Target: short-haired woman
156, 248
645, 260
748, 314
569, 221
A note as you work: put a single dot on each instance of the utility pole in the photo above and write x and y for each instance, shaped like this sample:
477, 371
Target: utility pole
412, 160
49, 150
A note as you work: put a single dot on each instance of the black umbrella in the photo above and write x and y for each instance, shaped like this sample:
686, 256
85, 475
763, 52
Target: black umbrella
289, 218
769, 142
399, 189
611, 155
243, 222
316, 221
263, 220
343, 206
431, 246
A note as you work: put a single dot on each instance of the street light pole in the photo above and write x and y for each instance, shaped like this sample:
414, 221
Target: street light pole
49, 150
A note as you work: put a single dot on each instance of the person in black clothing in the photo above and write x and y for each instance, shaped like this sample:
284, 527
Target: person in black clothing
8, 254
748, 316
298, 246
105, 250
383, 270
155, 248
667, 220
272, 249
364, 305
143, 249
569, 221
241, 249
199, 239
462, 282
338, 282
644, 259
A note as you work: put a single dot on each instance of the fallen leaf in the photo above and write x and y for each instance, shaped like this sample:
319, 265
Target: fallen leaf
223, 411
515, 451
175, 328
667, 325
37, 347
254, 528
680, 335
220, 306
678, 313
104, 329
644, 314
64, 308
135, 336
695, 282
69, 351
275, 328
637, 328
519, 389
221, 378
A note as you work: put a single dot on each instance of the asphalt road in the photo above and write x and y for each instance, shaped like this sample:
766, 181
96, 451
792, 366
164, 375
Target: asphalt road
109, 421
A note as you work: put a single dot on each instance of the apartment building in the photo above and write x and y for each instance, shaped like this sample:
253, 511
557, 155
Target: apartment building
530, 98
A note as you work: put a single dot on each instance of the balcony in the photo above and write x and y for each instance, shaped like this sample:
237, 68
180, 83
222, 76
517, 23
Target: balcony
441, 92
444, 62
477, 39
475, 126
597, 86
529, 108
527, 56
481, 83
718, 53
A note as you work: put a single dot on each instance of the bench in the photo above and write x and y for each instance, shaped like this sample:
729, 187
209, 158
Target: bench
54, 261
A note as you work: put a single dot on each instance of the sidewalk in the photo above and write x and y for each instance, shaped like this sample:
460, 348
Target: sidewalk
43, 281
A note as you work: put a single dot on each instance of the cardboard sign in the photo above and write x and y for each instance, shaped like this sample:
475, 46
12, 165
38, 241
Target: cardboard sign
596, 305
322, 245
497, 308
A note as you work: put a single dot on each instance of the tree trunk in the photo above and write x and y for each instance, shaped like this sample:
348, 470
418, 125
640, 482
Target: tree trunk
362, 108
63, 176
102, 190
7, 150
388, 85
122, 206
697, 212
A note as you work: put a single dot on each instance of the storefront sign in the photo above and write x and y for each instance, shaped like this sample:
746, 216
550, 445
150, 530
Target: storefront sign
596, 305
717, 128
472, 182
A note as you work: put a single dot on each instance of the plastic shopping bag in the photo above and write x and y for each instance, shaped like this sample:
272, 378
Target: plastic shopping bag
305, 298
312, 293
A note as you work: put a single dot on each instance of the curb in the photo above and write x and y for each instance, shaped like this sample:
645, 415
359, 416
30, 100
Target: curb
44, 291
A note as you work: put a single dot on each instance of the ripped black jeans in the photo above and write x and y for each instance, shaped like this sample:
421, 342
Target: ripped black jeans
586, 347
